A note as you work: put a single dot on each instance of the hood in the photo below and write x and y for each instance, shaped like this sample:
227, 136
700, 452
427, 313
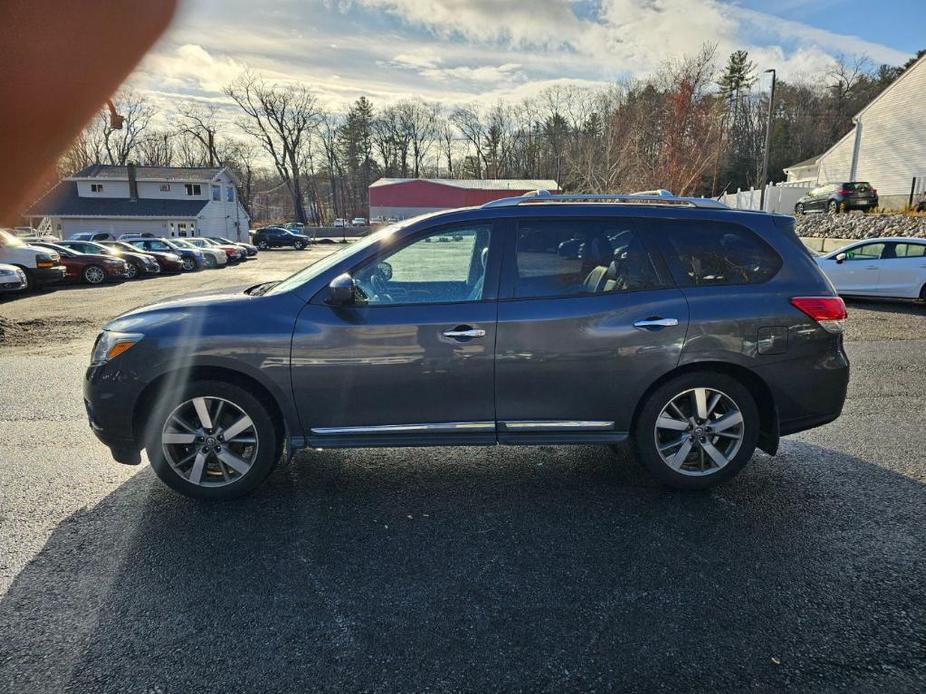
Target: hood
177, 308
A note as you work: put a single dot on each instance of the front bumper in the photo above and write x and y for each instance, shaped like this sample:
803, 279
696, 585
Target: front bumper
50, 275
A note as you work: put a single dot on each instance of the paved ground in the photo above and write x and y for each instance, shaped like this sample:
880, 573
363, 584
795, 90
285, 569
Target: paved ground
461, 569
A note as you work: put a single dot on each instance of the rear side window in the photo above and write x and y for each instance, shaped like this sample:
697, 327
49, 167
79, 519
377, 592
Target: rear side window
715, 253
910, 250
582, 257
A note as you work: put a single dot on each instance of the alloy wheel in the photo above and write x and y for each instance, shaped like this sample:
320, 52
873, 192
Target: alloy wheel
699, 432
131, 271
188, 264
94, 275
209, 441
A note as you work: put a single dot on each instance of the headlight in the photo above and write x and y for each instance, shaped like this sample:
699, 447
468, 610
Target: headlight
111, 344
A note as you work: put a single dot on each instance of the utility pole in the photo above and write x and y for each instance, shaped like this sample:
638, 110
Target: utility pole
763, 181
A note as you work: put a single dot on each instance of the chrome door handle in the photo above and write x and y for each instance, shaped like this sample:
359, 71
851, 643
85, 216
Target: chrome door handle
464, 333
656, 323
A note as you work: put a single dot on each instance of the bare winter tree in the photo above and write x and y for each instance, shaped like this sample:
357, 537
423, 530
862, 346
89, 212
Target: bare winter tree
198, 122
121, 145
283, 120
156, 149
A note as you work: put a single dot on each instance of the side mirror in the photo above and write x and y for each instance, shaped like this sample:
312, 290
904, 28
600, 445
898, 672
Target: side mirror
840, 257
341, 290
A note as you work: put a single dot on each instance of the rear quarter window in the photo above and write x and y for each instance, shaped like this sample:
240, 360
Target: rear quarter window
716, 253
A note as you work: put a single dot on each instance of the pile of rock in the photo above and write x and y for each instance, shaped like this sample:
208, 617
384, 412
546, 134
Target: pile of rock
860, 226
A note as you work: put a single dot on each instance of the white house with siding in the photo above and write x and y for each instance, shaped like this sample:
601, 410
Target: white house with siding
161, 200
887, 146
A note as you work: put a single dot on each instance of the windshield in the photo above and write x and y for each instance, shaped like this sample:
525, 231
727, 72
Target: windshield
7, 239
180, 244
330, 261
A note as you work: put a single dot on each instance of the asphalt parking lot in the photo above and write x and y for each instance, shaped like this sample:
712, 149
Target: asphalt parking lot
477, 569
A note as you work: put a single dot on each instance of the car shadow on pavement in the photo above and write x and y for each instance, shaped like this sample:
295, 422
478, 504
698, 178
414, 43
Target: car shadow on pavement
481, 570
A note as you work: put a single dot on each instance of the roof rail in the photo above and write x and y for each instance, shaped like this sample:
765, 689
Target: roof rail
650, 197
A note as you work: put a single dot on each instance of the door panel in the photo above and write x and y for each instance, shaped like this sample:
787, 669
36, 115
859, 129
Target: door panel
903, 270
859, 273
570, 363
412, 359
387, 365
582, 359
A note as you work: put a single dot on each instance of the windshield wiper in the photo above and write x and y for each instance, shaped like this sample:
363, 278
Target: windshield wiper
262, 288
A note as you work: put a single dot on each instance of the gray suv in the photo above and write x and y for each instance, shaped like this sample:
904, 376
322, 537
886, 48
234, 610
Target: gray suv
695, 332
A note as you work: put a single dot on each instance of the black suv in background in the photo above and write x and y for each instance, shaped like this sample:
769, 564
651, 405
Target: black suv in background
276, 237
838, 197
693, 331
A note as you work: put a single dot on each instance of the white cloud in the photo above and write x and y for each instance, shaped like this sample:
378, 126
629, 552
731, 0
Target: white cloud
456, 51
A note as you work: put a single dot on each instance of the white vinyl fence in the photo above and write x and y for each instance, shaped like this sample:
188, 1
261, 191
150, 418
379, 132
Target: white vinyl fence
778, 198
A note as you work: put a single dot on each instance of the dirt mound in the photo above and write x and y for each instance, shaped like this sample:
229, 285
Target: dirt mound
34, 331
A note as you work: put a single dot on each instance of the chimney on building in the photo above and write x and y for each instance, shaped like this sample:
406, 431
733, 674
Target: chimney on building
133, 182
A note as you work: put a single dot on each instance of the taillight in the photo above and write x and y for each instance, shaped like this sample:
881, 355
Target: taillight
843, 191
828, 311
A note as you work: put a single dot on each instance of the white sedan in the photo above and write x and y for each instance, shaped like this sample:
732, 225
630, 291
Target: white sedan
885, 267
12, 279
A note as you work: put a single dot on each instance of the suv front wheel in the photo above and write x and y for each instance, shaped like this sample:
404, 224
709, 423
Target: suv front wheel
697, 430
212, 441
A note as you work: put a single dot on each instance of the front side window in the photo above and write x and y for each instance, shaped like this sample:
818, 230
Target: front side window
715, 253
572, 258
868, 251
448, 266
230, 194
96, 187
217, 193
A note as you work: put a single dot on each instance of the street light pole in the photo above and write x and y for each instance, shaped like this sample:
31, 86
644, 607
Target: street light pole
763, 181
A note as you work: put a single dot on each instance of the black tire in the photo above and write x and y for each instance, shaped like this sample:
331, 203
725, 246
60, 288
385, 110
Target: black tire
133, 271
299, 245
922, 294
189, 265
93, 274
833, 207
799, 208
268, 453
644, 436
263, 245
211, 263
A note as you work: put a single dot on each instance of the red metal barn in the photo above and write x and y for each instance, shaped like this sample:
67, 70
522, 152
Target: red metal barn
401, 198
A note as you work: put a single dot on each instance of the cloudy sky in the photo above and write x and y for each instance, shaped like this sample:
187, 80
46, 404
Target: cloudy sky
459, 51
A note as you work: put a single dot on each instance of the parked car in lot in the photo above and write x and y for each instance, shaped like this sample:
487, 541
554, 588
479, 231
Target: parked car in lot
233, 254
696, 332
277, 237
838, 197
139, 264
358, 222
250, 249
12, 279
40, 265
212, 257
167, 260
89, 268
340, 222
191, 259
132, 235
892, 267
93, 236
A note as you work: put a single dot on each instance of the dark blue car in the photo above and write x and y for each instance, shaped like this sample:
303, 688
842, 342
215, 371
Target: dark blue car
695, 332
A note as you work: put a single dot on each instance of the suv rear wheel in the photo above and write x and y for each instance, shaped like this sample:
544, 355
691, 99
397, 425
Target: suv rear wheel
263, 245
697, 430
214, 440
